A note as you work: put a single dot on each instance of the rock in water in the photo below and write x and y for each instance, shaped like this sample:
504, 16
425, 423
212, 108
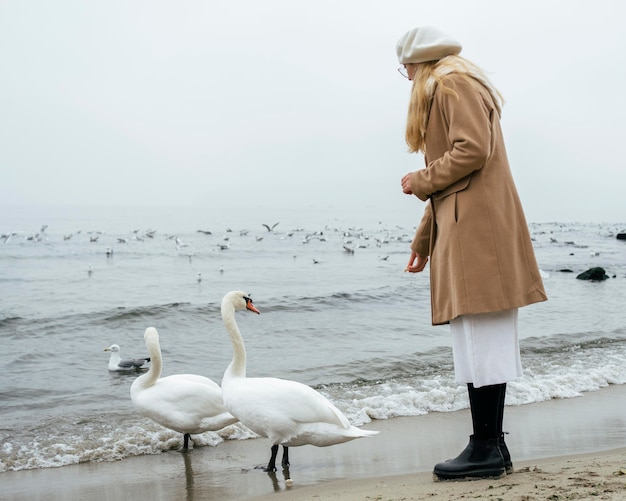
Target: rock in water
593, 274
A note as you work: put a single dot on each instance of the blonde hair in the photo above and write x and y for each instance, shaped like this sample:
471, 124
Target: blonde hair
428, 77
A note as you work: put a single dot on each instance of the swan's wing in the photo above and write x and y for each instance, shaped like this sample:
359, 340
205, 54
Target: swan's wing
183, 404
187, 393
193, 383
198, 379
271, 400
313, 406
129, 363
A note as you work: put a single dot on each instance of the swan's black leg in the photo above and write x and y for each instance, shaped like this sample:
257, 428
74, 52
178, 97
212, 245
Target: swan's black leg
186, 438
287, 476
285, 456
271, 466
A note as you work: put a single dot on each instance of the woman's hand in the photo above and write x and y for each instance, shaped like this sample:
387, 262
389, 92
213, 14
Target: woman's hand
406, 184
416, 263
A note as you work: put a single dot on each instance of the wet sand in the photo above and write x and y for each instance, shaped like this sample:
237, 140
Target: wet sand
572, 449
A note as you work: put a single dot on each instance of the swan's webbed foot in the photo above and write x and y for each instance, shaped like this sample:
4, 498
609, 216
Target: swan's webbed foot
186, 438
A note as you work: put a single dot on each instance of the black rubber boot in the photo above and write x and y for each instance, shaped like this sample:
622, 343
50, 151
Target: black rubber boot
503, 448
483, 456
506, 455
480, 459
487, 405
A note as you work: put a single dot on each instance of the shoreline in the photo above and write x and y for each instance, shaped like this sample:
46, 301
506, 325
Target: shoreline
592, 475
571, 444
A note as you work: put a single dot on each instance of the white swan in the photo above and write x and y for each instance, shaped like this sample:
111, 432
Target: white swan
185, 403
287, 412
116, 364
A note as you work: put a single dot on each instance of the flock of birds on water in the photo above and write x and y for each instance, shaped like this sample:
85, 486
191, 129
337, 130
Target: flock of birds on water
287, 412
352, 239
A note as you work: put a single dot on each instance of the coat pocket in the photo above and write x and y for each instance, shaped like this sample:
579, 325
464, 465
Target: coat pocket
460, 185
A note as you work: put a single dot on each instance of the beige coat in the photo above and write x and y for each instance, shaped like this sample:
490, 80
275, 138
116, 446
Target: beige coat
481, 255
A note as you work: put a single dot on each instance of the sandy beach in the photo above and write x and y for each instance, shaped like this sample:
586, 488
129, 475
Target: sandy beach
561, 449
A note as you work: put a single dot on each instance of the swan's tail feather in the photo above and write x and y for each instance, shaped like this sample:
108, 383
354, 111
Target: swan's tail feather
367, 433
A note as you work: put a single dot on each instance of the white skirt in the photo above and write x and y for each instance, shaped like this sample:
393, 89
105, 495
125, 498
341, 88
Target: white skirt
485, 347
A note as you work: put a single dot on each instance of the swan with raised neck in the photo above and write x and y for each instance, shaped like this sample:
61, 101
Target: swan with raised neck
287, 412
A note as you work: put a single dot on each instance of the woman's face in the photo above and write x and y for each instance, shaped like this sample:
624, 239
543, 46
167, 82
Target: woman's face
411, 69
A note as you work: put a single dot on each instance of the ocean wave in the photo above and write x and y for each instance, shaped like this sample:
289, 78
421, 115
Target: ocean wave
10, 321
120, 314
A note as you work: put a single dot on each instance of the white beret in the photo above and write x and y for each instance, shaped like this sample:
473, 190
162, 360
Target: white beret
425, 43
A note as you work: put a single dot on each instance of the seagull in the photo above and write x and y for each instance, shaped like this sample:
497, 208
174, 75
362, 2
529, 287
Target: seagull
270, 228
7, 236
180, 244
116, 364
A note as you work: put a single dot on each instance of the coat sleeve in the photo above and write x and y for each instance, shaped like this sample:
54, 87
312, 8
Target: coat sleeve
467, 116
421, 241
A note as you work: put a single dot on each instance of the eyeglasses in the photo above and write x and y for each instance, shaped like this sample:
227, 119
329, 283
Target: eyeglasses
402, 70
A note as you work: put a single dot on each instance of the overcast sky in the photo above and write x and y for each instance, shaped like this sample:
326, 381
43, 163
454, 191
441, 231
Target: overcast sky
290, 102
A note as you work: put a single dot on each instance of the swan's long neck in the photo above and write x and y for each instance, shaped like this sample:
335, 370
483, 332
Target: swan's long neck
237, 366
156, 364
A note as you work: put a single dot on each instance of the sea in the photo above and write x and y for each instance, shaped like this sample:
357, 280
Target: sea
338, 313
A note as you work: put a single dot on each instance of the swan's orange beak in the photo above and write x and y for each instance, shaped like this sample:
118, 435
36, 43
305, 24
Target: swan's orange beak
250, 306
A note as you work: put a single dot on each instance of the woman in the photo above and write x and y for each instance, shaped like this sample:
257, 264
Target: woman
482, 263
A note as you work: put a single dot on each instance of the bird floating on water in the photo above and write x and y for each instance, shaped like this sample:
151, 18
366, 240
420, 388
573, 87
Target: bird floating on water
117, 364
180, 244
